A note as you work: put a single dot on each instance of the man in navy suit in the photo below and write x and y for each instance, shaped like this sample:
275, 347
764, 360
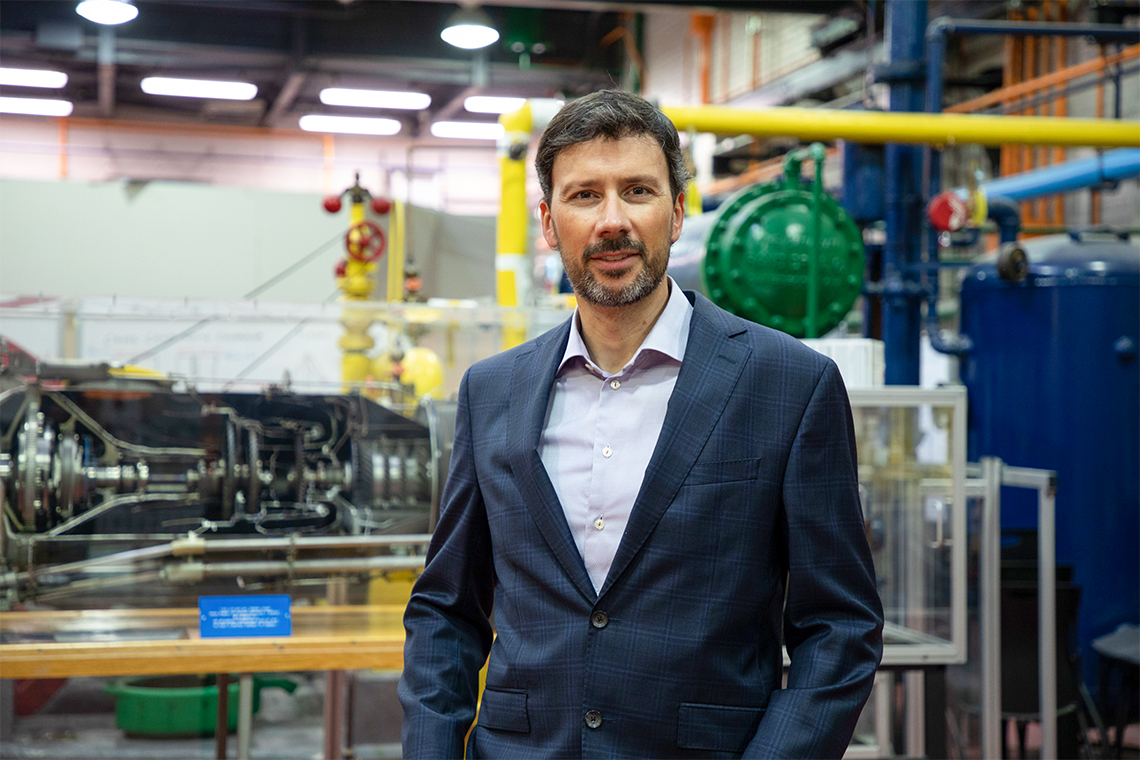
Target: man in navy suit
651, 498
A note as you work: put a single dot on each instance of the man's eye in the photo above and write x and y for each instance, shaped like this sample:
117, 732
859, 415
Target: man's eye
639, 191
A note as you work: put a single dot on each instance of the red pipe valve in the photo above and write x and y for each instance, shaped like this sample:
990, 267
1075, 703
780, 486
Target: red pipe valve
947, 212
365, 241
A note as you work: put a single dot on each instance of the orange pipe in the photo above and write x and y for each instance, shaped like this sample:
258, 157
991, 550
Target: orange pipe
701, 24
759, 171
63, 148
328, 148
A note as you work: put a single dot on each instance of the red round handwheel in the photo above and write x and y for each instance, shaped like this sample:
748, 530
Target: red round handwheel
365, 241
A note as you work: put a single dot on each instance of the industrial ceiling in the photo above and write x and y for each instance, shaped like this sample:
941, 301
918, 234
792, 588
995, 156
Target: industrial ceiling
292, 49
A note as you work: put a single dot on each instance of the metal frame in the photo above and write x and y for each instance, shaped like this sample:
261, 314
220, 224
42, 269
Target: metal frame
986, 482
925, 650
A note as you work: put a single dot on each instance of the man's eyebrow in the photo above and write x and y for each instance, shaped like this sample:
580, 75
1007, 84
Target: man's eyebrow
644, 179
637, 179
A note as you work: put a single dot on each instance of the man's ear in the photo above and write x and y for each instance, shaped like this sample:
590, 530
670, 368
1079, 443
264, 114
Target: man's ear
678, 215
548, 231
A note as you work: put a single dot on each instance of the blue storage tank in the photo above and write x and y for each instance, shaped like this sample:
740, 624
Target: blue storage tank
1054, 383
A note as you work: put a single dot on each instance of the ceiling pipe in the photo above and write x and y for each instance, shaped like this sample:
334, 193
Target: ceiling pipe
939, 30
105, 71
876, 128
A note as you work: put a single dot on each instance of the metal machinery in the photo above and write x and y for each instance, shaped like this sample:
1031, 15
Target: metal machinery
1054, 382
783, 254
111, 482
1027, 385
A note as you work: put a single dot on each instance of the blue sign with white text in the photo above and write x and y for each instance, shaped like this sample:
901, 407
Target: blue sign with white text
259, 615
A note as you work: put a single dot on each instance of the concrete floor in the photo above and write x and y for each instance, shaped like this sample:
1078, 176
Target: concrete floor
79, 722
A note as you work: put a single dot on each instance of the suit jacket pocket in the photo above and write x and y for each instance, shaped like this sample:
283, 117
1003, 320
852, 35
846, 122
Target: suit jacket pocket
719, 728
504, 710
723, 472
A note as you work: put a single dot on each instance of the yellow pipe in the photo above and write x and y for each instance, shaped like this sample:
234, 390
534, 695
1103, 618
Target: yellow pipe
897, 127
396, 252
356, 285
511, 276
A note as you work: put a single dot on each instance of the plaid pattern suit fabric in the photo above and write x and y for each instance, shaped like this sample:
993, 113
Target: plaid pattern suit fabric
750, 495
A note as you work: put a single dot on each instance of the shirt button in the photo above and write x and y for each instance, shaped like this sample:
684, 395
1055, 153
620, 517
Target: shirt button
607, 452
593, 719
615, 384
599, 619
599, 523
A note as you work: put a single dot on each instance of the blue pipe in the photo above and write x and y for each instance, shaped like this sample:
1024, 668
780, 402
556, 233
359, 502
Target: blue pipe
937, 33
901, 315
1007, 215
1111, 166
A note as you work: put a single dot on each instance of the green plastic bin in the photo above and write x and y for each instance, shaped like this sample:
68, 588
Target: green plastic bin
180, 705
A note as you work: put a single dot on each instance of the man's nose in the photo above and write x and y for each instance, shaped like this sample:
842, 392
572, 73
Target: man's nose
613, 219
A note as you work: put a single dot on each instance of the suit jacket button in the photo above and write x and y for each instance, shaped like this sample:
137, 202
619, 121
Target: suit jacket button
593, 719
599, 619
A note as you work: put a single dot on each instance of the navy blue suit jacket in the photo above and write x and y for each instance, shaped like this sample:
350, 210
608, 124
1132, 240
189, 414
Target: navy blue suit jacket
750, 497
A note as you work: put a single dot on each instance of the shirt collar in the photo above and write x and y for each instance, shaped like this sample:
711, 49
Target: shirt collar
669, 335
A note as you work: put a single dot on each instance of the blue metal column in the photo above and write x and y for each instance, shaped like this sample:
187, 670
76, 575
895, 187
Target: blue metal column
902, 322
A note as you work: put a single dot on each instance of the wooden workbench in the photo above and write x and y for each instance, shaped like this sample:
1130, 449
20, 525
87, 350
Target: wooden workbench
152, 642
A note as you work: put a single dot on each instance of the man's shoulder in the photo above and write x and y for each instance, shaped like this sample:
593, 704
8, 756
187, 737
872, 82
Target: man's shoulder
768, 345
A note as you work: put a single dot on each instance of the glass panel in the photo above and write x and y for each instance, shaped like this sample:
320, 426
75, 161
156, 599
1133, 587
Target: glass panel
905, 471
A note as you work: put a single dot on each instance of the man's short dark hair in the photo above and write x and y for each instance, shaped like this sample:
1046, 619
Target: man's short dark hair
612, 114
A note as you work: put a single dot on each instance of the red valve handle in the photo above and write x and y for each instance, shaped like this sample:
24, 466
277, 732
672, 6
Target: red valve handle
365, 241
947, 212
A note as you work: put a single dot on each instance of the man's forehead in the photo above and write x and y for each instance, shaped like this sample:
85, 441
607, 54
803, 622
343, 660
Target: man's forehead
642, 150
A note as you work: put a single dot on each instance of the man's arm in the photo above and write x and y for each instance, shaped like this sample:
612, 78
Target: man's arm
833, 619
447, 619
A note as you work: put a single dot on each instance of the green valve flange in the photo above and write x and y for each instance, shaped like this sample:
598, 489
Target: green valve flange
785, 254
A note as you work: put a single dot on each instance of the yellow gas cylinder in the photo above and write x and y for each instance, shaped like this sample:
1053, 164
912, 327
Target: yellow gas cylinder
423, 371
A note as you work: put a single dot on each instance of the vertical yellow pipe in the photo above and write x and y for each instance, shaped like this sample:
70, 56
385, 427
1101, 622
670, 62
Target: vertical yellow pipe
511, 275
396, 252
357, 286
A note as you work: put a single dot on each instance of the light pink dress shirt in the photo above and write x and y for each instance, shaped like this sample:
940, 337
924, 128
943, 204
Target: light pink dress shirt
601, 430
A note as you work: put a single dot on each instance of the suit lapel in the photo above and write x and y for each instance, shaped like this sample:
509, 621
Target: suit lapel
709, 372
533, 375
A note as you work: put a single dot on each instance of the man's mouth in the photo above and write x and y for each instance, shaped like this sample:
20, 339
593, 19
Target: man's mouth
614, 255
614, 261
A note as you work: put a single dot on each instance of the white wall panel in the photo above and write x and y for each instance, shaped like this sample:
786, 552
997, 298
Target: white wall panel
292, 161
670, 58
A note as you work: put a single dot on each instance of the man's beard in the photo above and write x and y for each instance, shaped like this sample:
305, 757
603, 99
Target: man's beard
590, 288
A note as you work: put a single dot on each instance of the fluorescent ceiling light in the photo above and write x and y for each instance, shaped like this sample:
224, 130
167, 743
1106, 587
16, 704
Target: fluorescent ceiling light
199, 88
32, 78
108, 12
342, 96
487, 104
467, 130
469, 28
352, 125
36, 106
